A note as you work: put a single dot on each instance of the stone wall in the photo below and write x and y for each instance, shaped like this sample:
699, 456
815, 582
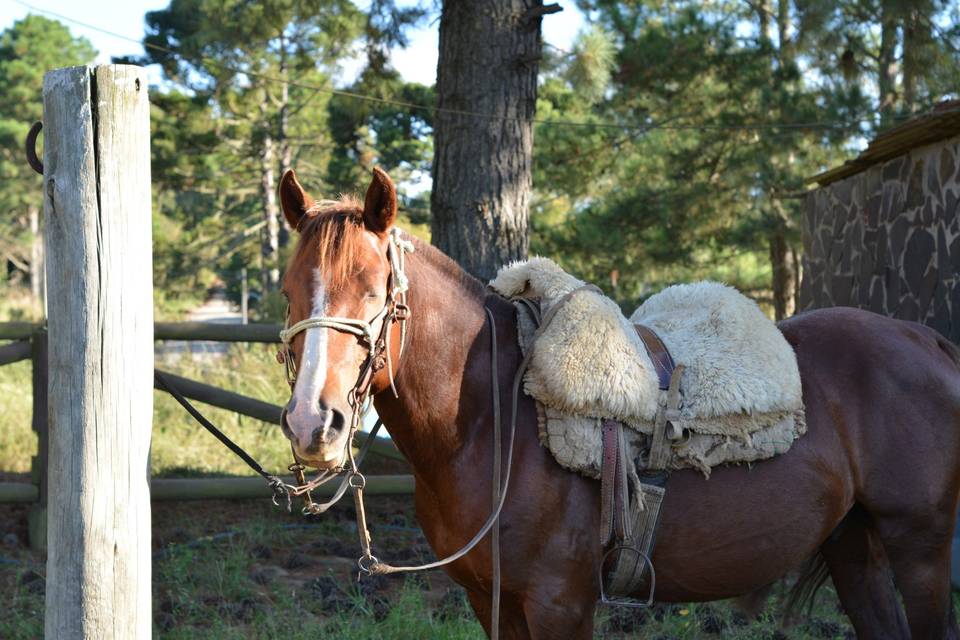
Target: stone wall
888, 239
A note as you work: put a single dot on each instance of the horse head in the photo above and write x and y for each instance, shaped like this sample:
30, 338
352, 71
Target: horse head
345, 288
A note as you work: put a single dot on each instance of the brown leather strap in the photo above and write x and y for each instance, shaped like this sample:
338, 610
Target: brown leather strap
659, 354
614, 508
608, 479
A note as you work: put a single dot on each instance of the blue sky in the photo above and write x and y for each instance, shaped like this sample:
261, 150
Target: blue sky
416, 63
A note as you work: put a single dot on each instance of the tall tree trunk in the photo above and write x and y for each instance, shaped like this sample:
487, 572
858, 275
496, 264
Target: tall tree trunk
270, 247
784, 280
37, 269
283, 129
916, 37
797, 277
781, 253
482, 166
887, 71
784, 38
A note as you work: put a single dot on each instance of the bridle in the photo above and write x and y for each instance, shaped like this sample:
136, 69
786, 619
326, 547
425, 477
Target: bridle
394, 311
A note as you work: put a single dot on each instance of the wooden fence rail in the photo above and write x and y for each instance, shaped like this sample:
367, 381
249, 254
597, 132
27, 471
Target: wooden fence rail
231, 488
246, 406
187, 331
14, 352
17, 330
254, 487
19, 492
217, 332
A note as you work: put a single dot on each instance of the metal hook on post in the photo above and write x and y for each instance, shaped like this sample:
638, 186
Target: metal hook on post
31, 147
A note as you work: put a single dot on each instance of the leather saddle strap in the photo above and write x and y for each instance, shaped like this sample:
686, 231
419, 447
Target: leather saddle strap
668, 411
662, 360
614, 507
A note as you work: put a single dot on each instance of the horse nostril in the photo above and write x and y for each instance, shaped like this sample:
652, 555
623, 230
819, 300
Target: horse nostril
338, 421
333, 423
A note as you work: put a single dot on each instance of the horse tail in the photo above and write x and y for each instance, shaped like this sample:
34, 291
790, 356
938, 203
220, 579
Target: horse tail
813, 574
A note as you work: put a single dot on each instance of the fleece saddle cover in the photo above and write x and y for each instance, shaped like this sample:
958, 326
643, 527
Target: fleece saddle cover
740, 387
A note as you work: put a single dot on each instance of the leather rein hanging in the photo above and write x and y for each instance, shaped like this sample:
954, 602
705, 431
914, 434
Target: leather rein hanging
395, 310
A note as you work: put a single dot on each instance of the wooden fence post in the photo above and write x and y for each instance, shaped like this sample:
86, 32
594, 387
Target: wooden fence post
37, 518
100, 306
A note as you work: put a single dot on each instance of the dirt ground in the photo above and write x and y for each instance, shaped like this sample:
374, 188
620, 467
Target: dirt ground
246, 569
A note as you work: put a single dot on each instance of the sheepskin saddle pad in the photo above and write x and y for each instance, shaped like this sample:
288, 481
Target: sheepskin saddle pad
740, 384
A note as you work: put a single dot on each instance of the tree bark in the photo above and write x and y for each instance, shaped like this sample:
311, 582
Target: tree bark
283, 128
887, 71
784, 280
916, 36
482, 166
270, 247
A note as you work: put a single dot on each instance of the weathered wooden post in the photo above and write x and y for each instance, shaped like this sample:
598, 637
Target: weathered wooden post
100, 306
37, 517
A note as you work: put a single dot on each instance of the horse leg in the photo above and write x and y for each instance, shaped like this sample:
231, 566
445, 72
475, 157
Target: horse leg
551, 617
513, 623
919, 551
862, 577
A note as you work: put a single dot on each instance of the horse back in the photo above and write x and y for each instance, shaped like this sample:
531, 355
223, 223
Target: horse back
890, 390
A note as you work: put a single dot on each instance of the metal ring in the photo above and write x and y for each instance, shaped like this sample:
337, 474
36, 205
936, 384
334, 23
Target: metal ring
31, 147
371, 561
359, 484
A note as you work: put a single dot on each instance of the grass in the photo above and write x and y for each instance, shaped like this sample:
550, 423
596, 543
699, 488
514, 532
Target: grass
246, 570
16, 407
180, 446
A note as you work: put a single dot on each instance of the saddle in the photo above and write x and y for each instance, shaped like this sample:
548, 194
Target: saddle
697, 377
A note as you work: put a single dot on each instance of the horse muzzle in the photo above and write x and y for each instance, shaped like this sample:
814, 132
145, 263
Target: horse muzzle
318, 438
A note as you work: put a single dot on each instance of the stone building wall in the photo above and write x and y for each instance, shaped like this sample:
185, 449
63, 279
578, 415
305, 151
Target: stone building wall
888, 239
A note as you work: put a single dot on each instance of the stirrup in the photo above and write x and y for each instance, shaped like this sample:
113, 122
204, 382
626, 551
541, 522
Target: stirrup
618, 601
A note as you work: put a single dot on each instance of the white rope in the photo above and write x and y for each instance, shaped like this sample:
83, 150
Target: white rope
362, 328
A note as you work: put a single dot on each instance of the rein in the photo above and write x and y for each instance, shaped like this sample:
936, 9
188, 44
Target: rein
395, 310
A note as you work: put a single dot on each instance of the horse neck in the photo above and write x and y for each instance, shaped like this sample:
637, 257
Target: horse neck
443, 380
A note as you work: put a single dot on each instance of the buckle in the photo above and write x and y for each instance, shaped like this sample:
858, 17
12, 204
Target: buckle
401, 311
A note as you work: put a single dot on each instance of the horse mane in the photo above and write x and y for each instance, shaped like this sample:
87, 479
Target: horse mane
332, 230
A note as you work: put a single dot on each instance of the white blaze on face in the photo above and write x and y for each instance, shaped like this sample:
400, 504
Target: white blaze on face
312, 373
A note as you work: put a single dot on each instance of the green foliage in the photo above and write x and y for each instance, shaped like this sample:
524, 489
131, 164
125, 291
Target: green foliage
251, 93
716, 102
28, 49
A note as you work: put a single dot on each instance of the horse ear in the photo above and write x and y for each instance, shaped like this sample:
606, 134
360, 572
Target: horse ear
293, 199
380, 205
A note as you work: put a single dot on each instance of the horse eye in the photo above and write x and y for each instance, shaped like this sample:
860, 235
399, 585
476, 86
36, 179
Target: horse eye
373, 294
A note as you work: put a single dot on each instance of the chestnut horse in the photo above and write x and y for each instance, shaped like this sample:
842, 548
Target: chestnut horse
871, 490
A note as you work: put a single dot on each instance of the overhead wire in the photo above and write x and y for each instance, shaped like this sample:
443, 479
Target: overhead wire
434, 109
